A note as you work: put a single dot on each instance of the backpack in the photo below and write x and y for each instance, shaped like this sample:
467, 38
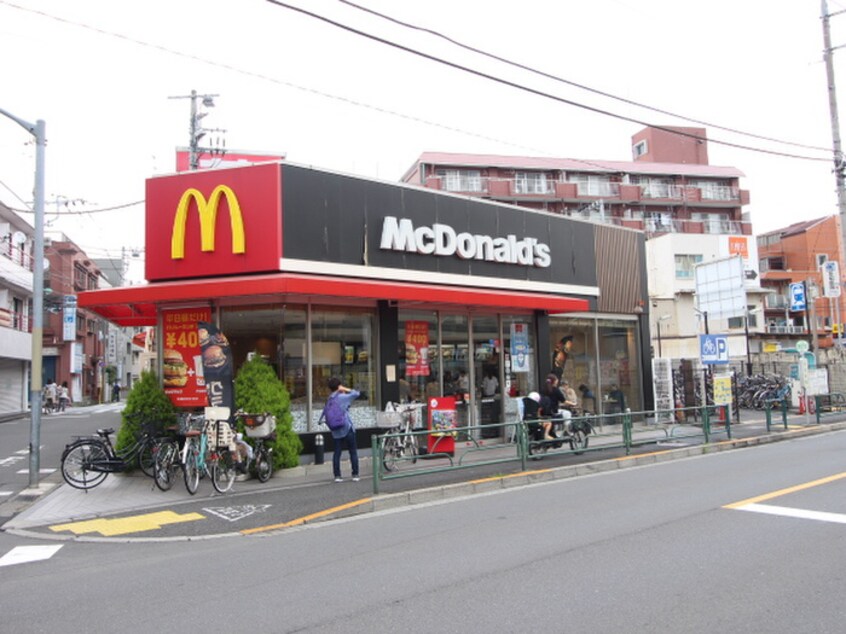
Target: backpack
336, 415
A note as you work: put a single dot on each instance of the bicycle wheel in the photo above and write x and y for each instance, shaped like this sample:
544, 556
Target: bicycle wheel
147, 456
79, 463
164, 469
391, 452
409, 445
578, 441
264, 465
191, 470
222, 470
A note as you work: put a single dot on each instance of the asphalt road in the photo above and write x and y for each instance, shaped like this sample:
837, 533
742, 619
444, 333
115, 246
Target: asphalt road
651, 549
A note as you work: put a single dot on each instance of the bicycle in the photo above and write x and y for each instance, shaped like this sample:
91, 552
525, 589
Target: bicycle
262, 429
87, 461
170, 456
207, 452
399, 442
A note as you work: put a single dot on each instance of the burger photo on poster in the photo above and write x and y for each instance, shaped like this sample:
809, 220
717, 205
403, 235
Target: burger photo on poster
214, 358
175, 369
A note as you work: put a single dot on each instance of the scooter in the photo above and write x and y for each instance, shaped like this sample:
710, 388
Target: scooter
575, 433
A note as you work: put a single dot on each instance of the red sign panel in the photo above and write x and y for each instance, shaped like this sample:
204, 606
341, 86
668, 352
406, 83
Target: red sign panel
218, 222
182, 373
416, 348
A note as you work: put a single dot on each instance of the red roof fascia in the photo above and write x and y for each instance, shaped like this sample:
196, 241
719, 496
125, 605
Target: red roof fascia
136, 305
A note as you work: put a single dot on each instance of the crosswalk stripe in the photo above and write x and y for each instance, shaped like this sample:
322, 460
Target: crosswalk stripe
26, 554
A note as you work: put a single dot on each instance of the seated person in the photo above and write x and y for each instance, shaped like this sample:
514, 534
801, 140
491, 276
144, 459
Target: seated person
551, 402
571, 400
587, 394
616, 400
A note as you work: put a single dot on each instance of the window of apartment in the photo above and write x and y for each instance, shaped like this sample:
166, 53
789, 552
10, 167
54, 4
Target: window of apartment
530, 183
685, 265
461, 180
80, 277
657, 221
717, 189
593, 184
712, 222
639, 149
653, 186
822, 258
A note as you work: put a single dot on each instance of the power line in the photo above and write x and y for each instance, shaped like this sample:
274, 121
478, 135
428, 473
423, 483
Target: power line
84, 212
535, 91
573, 83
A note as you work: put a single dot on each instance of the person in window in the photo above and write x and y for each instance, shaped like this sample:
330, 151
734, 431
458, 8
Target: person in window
490, 384
588, 395
616, 400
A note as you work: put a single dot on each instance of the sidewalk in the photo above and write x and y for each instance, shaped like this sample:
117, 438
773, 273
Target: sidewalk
60, 503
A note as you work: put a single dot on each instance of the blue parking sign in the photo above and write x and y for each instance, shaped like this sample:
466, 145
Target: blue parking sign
797, 296
713, 349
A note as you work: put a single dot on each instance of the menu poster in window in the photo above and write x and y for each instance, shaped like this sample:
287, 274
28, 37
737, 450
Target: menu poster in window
519, 347
217, 366
417, 348
182, 371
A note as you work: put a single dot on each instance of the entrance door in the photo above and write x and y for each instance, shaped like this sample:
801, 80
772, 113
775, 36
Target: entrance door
487, 373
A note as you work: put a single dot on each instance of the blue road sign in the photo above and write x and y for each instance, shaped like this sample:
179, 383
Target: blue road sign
713, 349
797, 296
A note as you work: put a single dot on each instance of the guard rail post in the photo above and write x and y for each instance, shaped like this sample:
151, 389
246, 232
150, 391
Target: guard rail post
706, 423
522, 444
728, 420
627, 431
784, 412
376, 461
817, 401
768, 411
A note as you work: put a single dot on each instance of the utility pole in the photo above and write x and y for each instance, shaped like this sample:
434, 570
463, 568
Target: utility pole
839, 161
197, 131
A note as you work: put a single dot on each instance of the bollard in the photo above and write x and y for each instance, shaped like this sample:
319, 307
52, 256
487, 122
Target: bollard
318, 449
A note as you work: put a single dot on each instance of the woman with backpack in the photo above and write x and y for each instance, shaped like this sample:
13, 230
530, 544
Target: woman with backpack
336, 413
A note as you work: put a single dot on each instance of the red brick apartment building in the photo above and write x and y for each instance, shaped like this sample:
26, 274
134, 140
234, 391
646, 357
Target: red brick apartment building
795, 254
668, 187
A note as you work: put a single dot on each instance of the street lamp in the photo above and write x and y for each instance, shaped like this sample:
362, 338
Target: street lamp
746, 329
38, 130
658, 325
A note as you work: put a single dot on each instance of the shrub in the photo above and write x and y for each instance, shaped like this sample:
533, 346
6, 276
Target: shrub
147, 403
258, 390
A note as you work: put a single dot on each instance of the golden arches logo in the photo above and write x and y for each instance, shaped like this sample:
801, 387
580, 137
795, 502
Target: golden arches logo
207, 209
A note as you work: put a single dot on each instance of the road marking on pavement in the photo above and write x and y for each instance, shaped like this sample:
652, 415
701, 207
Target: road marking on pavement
303, 520
837, 518
26, 554
124, 525
44, 471
6, 493
235, 513
753, 504
780, 492
509, 475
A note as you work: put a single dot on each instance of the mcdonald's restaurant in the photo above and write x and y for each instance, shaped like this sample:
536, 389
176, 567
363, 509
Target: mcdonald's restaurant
404, 293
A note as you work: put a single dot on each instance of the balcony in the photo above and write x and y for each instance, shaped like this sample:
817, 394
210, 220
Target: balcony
776, 302
785, 330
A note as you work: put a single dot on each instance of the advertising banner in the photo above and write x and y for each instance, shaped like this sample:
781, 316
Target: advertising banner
182, 372
442, 424
417, 348
519, 347
69, 318
217, 366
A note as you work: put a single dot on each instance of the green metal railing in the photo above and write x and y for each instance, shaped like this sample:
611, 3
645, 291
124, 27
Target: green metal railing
607, 431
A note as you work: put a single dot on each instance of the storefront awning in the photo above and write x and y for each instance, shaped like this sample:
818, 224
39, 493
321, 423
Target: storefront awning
137, 305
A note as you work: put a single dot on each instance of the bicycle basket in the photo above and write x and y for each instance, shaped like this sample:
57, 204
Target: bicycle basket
259, 426
388, 420
190, 422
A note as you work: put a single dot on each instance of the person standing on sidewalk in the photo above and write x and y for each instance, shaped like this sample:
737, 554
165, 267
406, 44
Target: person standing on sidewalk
337, 416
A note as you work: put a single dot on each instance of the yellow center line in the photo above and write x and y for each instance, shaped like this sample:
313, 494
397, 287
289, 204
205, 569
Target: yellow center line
780, 492
509, 475
306, 518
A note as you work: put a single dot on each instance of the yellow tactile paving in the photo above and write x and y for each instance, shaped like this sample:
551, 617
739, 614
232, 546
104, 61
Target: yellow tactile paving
124, 525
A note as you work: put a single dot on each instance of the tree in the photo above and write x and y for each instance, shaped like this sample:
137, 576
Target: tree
147, 404
257, 391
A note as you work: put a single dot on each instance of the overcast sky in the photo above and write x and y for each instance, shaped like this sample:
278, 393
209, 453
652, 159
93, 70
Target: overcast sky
100, 72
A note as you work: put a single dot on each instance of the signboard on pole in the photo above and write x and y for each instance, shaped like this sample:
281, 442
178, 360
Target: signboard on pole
69, 318
713, 349
662, 386
797, 297
831, 278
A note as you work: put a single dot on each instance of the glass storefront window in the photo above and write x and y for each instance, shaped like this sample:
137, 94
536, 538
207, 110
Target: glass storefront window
419, 363
487, 348
619, 371
342, 345
520, 361
456, 365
